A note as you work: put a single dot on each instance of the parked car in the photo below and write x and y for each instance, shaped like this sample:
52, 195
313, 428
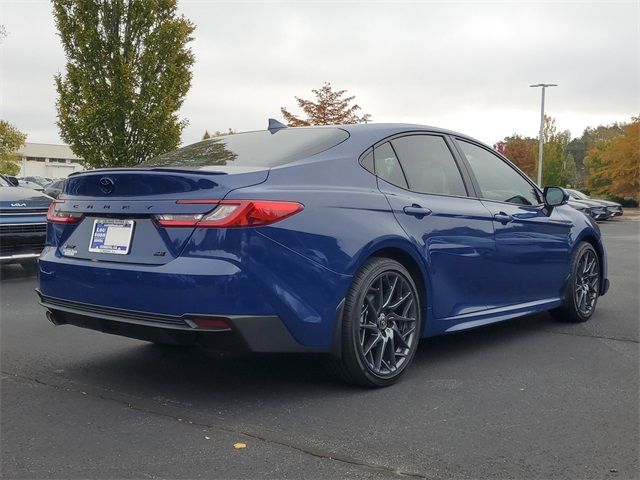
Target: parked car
54, 188
354, 241
42, 181
592, 209
31, 185
23, 217
613, 209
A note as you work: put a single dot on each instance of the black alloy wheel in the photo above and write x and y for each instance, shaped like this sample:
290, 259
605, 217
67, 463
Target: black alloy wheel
381, 324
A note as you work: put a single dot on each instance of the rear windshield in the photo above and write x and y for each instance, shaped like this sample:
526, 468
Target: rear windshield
252, 149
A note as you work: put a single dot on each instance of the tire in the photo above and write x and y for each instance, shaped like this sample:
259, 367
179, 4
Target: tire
378, 341
583, 286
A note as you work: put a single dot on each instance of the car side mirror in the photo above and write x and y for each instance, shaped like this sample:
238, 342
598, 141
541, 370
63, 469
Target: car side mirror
555, 196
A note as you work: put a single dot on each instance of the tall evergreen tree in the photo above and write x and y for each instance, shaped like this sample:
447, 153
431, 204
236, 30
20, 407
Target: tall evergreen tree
127, 73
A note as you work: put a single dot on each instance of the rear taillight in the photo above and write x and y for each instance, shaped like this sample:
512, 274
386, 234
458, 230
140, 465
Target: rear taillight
234, 213
56, 216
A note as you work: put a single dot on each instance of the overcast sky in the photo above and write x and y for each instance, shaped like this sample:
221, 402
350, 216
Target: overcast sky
466, 66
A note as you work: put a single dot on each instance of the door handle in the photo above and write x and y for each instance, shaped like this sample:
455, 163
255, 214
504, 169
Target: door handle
416, 211
503, 217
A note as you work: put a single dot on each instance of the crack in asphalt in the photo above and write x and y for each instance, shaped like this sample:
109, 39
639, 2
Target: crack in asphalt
226, 429
603, 337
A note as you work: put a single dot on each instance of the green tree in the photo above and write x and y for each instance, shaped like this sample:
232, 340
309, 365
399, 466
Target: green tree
558, 167
330, 108
206, 135
127, 73
11, 139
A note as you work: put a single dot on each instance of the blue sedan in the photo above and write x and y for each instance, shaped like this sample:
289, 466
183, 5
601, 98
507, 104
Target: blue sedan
355, 241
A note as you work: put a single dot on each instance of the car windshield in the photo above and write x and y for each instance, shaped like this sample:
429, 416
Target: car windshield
578, 195
252, 149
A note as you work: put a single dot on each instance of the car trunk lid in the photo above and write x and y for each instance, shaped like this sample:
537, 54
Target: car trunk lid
122, 204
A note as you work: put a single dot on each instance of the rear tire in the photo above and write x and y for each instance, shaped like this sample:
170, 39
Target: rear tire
381, 325
583, 286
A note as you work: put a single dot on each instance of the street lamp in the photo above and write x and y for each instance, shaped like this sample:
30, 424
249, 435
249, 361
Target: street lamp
541, 139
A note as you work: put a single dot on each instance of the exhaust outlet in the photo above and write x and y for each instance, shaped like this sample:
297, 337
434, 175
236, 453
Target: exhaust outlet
52, 318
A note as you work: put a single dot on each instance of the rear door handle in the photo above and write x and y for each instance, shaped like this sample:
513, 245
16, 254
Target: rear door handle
503, 217
416, 211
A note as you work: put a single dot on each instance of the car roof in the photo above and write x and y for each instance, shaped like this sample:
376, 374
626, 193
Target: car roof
370, 133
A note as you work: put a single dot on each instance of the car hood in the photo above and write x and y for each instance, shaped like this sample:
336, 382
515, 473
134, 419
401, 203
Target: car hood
606, 203
585, 203
16, 198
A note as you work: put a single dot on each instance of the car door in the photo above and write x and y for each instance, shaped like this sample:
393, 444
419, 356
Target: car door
425, 188
532, 243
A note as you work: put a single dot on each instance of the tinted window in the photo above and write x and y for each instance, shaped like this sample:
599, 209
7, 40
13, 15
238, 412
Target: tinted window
387, 165
498, 181
429, 165
367, 161
252, 149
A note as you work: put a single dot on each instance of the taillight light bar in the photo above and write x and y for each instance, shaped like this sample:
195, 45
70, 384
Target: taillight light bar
232, 214
56, 216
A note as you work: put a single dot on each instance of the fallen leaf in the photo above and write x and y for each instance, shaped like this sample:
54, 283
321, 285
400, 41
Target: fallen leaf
239, 445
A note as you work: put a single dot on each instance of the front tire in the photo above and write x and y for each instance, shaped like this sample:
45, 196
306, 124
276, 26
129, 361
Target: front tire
583, 287
381, 324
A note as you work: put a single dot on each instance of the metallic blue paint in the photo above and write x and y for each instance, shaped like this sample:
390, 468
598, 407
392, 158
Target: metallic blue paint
474, 269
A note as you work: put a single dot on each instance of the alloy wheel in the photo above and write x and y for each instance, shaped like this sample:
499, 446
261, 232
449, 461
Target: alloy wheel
587, 282
388, 320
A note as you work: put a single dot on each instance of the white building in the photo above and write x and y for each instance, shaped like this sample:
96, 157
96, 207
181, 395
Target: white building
47, 160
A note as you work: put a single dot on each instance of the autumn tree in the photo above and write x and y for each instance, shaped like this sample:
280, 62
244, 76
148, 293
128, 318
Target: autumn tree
521, 151
127, 73
11, 139
614, 164
329, 108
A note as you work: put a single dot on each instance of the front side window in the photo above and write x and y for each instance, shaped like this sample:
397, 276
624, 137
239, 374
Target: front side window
429, 165
498, 180
387, 165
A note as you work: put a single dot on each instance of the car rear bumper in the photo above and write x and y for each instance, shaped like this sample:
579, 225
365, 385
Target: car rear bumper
255, 333
270, 296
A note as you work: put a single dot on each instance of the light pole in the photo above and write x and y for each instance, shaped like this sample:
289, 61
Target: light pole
541, 139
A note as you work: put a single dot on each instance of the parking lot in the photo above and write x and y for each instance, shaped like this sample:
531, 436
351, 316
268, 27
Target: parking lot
527, 398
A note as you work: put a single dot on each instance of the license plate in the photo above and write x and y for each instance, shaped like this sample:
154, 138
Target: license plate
111, 236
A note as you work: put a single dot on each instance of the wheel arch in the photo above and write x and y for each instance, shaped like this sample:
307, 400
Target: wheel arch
591, 239
408, 257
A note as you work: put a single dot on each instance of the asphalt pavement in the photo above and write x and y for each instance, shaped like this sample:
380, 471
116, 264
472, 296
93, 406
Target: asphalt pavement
528, 398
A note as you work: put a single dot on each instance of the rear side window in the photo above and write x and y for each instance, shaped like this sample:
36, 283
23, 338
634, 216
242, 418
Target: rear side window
387, 165
498, 180
429, 165
252, 149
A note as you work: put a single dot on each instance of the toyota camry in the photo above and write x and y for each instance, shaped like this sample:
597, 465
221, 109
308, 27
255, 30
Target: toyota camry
354, 241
